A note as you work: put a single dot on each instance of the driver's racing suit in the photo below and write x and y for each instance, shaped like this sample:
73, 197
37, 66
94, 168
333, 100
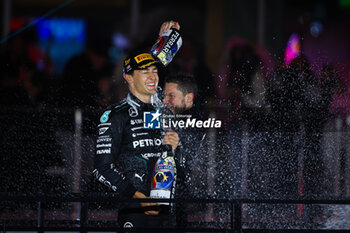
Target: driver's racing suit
126, 152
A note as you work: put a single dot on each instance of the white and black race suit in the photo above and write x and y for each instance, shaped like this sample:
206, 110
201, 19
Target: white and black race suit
126, 152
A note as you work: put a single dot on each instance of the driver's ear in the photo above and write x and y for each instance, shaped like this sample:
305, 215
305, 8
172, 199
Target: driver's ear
129, 78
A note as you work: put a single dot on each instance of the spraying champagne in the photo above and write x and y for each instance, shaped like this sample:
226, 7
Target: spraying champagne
167, 45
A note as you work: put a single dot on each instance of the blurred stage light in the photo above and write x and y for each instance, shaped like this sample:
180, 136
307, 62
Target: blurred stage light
344, 3
62, 38
120, 41
293, 49
61, 29
316, 28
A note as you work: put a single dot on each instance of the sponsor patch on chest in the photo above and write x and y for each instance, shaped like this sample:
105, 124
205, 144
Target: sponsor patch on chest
147, 142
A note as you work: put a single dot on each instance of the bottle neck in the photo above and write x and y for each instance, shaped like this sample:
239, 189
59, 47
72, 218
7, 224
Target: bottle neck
169, 150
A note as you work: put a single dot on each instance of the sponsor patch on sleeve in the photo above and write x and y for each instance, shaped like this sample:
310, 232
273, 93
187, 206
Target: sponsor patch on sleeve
102, 130
105, 116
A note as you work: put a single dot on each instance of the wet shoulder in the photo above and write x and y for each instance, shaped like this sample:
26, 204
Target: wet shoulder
113, 111
120, 107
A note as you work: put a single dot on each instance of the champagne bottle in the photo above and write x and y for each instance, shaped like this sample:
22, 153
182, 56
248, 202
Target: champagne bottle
166, 46
164, 175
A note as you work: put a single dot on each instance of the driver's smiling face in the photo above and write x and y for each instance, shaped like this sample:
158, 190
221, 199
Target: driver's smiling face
144, 82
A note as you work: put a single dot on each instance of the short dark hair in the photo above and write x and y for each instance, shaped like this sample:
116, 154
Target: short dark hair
186, 83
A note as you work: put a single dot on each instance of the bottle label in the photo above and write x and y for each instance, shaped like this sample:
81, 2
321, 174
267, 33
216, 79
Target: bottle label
167, 45
163, 177
160, 193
